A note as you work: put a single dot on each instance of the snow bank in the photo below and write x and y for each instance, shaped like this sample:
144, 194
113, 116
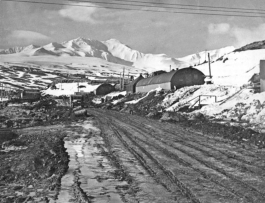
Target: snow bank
69, 89
159, 89
245, 106
189, 96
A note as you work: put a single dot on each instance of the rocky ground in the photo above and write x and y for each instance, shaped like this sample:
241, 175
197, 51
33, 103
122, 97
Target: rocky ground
32, 164
32, 154
46, 144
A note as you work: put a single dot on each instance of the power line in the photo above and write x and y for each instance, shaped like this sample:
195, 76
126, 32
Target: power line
134, 9
190, 5
164, 6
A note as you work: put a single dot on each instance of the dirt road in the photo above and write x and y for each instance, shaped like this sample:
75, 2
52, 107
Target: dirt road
164, 162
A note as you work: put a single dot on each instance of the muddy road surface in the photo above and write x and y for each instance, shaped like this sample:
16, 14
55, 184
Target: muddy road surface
164, 162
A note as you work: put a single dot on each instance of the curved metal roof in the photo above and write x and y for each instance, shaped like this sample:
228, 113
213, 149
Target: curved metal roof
164, 78
158, 79
136, 80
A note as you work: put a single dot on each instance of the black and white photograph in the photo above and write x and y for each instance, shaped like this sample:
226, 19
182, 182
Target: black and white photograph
132, 101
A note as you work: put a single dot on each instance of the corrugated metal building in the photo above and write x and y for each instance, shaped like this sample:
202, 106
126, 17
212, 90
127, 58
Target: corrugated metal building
131, 87
104, 89
262, 76
172, 80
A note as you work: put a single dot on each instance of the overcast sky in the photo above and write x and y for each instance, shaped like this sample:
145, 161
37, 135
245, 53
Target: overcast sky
176, 35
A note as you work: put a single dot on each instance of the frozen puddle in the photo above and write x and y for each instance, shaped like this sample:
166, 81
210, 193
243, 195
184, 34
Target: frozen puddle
89, 172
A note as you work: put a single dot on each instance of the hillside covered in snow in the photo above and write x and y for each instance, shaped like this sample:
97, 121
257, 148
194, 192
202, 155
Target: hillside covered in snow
111, 51
95, 58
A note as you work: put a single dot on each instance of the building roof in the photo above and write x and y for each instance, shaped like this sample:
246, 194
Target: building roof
136, 80
164, 78
158, 79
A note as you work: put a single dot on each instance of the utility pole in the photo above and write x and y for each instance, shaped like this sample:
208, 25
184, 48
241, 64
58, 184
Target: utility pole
123, 78
209, 61
170, 68
2, 92
120, 82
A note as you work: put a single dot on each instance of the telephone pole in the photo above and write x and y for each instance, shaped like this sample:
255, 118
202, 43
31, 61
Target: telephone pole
209, 61
123, 78
1, 91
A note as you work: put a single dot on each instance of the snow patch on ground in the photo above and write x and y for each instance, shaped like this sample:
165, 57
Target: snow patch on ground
69, 89
136, 101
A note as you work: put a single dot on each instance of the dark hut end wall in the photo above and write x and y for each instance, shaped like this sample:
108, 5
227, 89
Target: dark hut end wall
187, 77
104, 89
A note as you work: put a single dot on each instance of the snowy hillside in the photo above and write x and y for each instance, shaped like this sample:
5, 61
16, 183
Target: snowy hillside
235, 68
202, 57
112, 51
109, 58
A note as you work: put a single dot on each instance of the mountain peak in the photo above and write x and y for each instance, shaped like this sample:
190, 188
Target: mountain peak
54, 45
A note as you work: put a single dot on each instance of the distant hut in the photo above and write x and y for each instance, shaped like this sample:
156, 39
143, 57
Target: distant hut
254, 79
172, 80
104, 89
131, 87
30, 94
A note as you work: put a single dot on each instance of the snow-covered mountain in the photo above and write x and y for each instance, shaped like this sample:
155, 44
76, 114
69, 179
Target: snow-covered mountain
11, 50
109, 58
113, 51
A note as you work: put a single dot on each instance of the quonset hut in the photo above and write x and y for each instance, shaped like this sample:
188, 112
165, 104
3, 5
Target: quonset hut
104, 89
131, 87
172, 80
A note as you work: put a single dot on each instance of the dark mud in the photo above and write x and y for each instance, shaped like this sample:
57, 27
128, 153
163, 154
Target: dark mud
185, 164
32, 165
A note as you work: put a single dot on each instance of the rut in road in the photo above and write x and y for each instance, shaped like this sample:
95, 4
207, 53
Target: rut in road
210, 145
194, 142
140, 138
156, 170
172, 178
240, 164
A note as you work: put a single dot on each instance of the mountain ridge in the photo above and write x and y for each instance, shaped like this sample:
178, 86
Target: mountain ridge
114, 51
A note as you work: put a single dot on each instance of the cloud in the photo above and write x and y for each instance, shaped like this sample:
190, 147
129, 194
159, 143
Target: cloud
221, 28
248, 35
26, 37
84, 12
237, 36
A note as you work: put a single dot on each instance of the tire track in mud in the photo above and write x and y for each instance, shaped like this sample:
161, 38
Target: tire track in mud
184, 190
181, 189
253, 190
198, 145
168, 172
231, 155
114, 145
211, 166
212, 179
209, 151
